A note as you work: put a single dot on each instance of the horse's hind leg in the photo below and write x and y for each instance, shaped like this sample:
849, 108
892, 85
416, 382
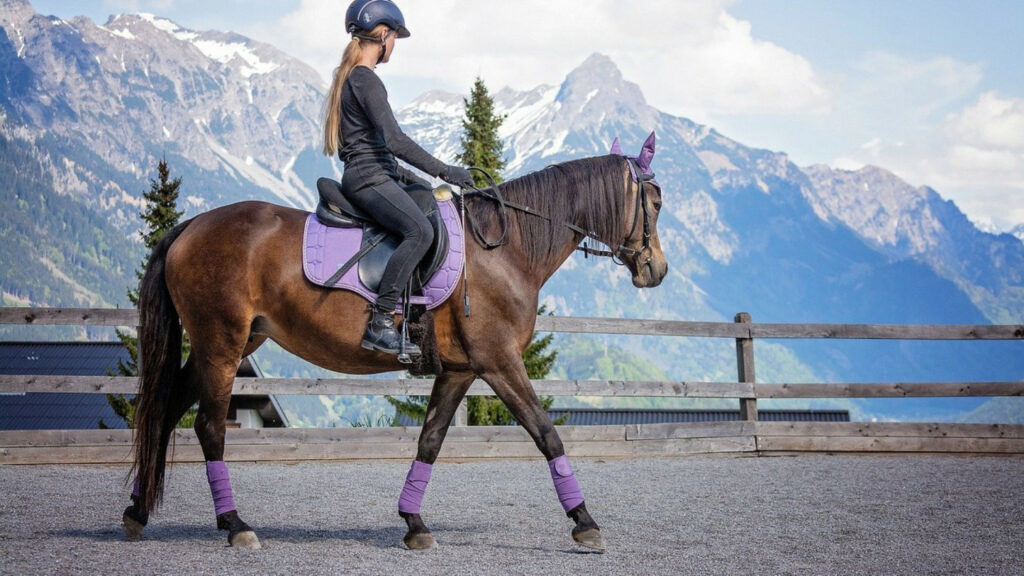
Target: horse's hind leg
217, 374
449, 389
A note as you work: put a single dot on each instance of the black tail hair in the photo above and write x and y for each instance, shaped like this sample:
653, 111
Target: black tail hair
160, 337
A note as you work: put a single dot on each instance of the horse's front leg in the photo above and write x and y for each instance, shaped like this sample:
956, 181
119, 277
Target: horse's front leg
448, 391
512, 384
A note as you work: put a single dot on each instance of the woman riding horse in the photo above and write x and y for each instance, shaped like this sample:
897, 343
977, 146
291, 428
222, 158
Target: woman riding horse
360, 127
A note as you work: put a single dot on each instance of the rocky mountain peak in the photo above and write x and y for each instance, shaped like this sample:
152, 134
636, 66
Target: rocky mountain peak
882, 207
16, 11
597, 84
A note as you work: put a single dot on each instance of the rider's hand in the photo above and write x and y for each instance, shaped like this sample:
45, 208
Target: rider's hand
457, 176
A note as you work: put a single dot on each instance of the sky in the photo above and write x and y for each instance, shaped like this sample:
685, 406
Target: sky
932, 90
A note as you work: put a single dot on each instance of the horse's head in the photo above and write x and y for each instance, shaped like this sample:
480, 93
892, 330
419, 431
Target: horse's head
641, 251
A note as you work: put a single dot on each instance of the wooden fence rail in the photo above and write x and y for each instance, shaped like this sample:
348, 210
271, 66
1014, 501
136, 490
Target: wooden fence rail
747, 436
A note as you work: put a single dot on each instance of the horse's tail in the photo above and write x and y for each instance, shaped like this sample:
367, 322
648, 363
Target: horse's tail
160, 371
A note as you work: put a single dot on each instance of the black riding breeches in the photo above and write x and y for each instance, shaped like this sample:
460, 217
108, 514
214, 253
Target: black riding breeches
393, 208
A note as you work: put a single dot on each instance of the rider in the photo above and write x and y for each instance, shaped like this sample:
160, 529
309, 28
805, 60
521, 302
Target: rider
360, 127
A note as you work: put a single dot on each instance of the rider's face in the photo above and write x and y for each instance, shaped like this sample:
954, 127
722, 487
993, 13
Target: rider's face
389, 45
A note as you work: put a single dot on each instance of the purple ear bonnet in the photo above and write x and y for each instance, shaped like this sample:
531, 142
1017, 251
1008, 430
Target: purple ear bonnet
643, 160
646, 155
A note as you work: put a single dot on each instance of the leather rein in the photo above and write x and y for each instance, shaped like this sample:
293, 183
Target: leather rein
494, 194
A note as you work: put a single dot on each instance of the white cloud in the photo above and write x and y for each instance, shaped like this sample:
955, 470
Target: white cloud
690, 56
974, 156
992, 122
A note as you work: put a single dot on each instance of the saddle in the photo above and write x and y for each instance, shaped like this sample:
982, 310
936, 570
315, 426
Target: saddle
377, 244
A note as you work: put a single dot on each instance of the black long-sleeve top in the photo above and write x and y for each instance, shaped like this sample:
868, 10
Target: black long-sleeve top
372, 137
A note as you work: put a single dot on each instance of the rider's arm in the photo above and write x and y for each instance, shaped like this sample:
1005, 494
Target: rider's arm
373, 97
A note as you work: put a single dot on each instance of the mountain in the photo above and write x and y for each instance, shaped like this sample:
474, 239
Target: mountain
1018, 232
904, 222
86, 111
94, 107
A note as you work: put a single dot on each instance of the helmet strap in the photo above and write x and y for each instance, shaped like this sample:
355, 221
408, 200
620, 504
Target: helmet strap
382, 41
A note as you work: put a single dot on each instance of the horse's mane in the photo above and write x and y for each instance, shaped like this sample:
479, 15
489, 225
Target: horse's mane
588, 192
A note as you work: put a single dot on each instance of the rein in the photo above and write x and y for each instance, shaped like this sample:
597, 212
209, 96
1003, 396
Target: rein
493, 194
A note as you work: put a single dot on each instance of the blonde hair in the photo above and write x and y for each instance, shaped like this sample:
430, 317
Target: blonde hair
333, 138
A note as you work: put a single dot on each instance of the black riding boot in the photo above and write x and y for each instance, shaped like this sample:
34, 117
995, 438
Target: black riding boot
381, 334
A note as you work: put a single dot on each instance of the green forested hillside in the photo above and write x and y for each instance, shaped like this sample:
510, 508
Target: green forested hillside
54, 251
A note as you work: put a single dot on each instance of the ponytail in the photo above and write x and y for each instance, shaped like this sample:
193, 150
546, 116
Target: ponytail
333, 138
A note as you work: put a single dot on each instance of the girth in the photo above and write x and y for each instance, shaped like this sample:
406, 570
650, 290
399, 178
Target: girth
378, 245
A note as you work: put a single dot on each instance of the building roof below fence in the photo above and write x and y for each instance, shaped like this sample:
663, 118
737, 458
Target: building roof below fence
86, 411
59, 411
597, 416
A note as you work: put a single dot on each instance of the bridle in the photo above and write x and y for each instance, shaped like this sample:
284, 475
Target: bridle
641, 178
638, 175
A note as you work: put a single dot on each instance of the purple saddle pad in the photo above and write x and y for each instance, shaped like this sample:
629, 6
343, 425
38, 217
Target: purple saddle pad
326, 249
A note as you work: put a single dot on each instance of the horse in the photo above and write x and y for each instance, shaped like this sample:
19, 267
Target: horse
232, 277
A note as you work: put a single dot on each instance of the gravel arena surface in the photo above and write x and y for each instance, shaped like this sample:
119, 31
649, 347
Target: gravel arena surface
813, 514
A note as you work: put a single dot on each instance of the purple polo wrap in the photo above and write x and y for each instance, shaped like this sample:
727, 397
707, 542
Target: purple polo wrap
569, 493
415, 487
136, 488
220, 486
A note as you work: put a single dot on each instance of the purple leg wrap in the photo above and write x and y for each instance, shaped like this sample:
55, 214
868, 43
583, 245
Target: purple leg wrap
220, 486
569, 493
415, 486
136, 490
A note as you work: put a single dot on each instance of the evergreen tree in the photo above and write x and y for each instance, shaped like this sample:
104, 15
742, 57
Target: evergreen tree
481, 146
160, 215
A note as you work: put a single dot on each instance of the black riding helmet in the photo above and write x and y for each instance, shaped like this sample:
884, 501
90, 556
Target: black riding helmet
364, 15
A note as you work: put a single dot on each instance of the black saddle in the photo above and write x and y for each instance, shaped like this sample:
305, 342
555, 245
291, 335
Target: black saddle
378, 244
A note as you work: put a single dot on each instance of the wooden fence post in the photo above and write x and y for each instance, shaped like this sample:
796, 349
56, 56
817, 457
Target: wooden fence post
745, 369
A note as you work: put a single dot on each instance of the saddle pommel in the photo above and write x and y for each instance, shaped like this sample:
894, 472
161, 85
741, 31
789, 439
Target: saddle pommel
443, 193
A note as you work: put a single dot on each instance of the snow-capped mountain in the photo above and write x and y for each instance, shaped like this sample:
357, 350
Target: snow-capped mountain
235, 117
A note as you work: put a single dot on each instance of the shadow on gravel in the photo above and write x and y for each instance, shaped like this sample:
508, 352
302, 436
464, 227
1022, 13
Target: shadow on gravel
170, 532
381, 537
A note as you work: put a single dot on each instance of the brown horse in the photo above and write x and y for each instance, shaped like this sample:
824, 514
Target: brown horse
232, 278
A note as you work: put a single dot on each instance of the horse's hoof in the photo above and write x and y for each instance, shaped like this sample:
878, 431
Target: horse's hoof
590, 539
247, 540
132, 528
419, 541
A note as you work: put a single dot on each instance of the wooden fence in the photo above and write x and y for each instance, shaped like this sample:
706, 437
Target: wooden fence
747, 436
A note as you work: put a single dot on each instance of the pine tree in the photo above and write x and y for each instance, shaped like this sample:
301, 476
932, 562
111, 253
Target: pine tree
481, 146
160, 215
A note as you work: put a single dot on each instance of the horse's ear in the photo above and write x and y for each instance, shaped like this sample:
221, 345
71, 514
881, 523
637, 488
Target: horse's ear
646, 154
616, 148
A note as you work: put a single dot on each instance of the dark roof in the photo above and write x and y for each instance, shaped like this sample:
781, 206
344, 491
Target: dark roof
622, 416
59, 411
597, 416
82, 411
61, 358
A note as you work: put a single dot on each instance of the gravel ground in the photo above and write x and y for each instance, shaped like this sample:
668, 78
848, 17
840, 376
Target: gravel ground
695, 515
